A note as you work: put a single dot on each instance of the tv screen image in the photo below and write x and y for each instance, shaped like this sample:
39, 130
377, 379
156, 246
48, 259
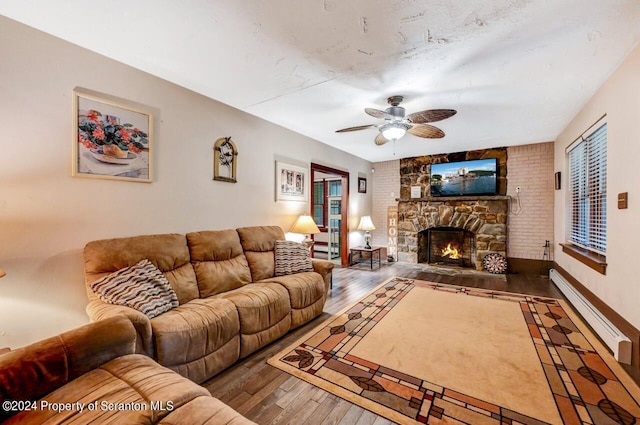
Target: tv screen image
463, 178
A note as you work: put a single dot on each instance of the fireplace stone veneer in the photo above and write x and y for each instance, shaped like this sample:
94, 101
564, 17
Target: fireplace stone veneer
486, 219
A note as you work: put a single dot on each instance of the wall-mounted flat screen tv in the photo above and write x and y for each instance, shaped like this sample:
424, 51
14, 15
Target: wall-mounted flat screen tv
465, 178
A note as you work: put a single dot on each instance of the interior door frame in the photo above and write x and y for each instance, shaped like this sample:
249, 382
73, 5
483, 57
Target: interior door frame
344, 228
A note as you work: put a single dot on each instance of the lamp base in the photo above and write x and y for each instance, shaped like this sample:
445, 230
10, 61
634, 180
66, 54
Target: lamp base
367, 240
308, 242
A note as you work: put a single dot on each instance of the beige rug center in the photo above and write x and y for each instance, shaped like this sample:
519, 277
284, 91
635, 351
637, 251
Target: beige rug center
431, 338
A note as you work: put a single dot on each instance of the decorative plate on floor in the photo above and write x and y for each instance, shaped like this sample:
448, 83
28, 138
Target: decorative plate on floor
495, 263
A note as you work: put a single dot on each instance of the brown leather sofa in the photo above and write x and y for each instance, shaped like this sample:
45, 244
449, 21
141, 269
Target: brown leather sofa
230, 301
93, 375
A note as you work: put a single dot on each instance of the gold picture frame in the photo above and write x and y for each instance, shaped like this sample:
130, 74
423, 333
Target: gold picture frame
112, 139
225, 160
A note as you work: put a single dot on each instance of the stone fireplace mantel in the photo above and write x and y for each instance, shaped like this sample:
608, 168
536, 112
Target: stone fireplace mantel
486, 218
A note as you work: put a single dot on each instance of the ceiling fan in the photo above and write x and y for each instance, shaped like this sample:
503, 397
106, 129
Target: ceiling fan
397, 124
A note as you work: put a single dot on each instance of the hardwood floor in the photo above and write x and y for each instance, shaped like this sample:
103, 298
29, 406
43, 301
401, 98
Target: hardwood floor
267, 395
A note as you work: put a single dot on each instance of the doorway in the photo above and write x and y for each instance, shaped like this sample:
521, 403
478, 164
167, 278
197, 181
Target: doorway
329, 209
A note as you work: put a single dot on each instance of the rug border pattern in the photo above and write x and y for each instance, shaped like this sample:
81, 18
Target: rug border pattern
575, 370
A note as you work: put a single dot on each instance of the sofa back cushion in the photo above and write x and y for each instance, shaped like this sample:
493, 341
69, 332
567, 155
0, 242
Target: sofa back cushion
218, 260
33, 371
168, 252
258, 243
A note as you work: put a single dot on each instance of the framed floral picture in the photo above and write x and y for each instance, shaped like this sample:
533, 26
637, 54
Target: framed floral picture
292, 182
111, 140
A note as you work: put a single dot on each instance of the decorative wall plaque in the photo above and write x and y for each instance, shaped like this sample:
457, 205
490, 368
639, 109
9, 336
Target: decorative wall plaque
224, 160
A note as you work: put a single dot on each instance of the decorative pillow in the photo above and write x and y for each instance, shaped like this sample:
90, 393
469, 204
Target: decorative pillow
291, 257
494, 263
141, 286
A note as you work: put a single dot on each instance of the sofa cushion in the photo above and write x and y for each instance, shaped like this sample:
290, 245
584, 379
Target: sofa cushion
168, 252
304, 288
218, 261
194, 330
307, 294
31, 372
260, 305
141, 286
291, 257
258, 244
135, 379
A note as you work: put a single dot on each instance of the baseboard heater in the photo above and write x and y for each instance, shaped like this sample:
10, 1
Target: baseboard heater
619, 344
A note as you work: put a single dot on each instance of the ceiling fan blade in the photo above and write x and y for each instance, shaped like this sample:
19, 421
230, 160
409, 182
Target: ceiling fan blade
431, 115
360, 127
425, 130
376, 113
380, 139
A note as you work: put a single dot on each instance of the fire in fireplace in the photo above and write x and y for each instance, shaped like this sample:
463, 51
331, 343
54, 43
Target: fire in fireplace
453, 252
446, 246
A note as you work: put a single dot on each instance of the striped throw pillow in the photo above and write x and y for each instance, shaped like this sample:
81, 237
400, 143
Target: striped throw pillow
141, 286
291, 257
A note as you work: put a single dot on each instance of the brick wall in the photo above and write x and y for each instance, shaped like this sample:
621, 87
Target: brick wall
386, 188
530, 167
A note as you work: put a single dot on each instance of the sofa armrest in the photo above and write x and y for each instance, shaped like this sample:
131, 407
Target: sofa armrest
31, 372
324, 267
99, 310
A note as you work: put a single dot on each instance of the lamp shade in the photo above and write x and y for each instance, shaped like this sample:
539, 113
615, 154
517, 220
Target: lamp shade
366, 223
2, 273
305, 225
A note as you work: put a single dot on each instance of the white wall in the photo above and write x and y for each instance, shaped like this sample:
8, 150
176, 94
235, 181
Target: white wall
619, 98
47, 216
530, 224
386, 189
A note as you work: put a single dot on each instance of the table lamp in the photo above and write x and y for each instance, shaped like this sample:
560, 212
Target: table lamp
306, 226
366, 224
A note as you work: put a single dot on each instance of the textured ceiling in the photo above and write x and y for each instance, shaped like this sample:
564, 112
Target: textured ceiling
515, 70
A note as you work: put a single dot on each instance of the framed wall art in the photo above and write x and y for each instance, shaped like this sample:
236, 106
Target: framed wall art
225, 160
362, 185
292, 182
111, 139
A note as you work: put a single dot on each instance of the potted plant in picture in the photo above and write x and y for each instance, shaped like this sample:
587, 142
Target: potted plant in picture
106, 136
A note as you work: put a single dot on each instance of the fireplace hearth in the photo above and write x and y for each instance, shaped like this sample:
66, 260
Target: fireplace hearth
447, 246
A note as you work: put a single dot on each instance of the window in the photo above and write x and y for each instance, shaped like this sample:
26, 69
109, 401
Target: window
321, 190
588, 191
318, 203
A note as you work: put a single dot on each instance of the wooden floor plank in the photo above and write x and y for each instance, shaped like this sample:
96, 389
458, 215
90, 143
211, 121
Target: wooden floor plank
335, 416
352, 416
297, 406
323, 411
259, 396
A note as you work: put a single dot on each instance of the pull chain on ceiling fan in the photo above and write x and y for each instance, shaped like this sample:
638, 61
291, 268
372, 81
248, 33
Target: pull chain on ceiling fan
397, 125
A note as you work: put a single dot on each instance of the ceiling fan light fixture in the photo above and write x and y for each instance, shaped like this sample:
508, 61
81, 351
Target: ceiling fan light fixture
394, 130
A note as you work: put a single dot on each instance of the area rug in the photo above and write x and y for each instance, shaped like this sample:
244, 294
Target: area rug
421, 352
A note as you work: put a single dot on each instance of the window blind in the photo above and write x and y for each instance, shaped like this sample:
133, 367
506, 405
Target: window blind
588, 191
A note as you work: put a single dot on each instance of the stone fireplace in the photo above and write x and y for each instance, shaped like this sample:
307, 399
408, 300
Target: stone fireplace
481, 221
484, 220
